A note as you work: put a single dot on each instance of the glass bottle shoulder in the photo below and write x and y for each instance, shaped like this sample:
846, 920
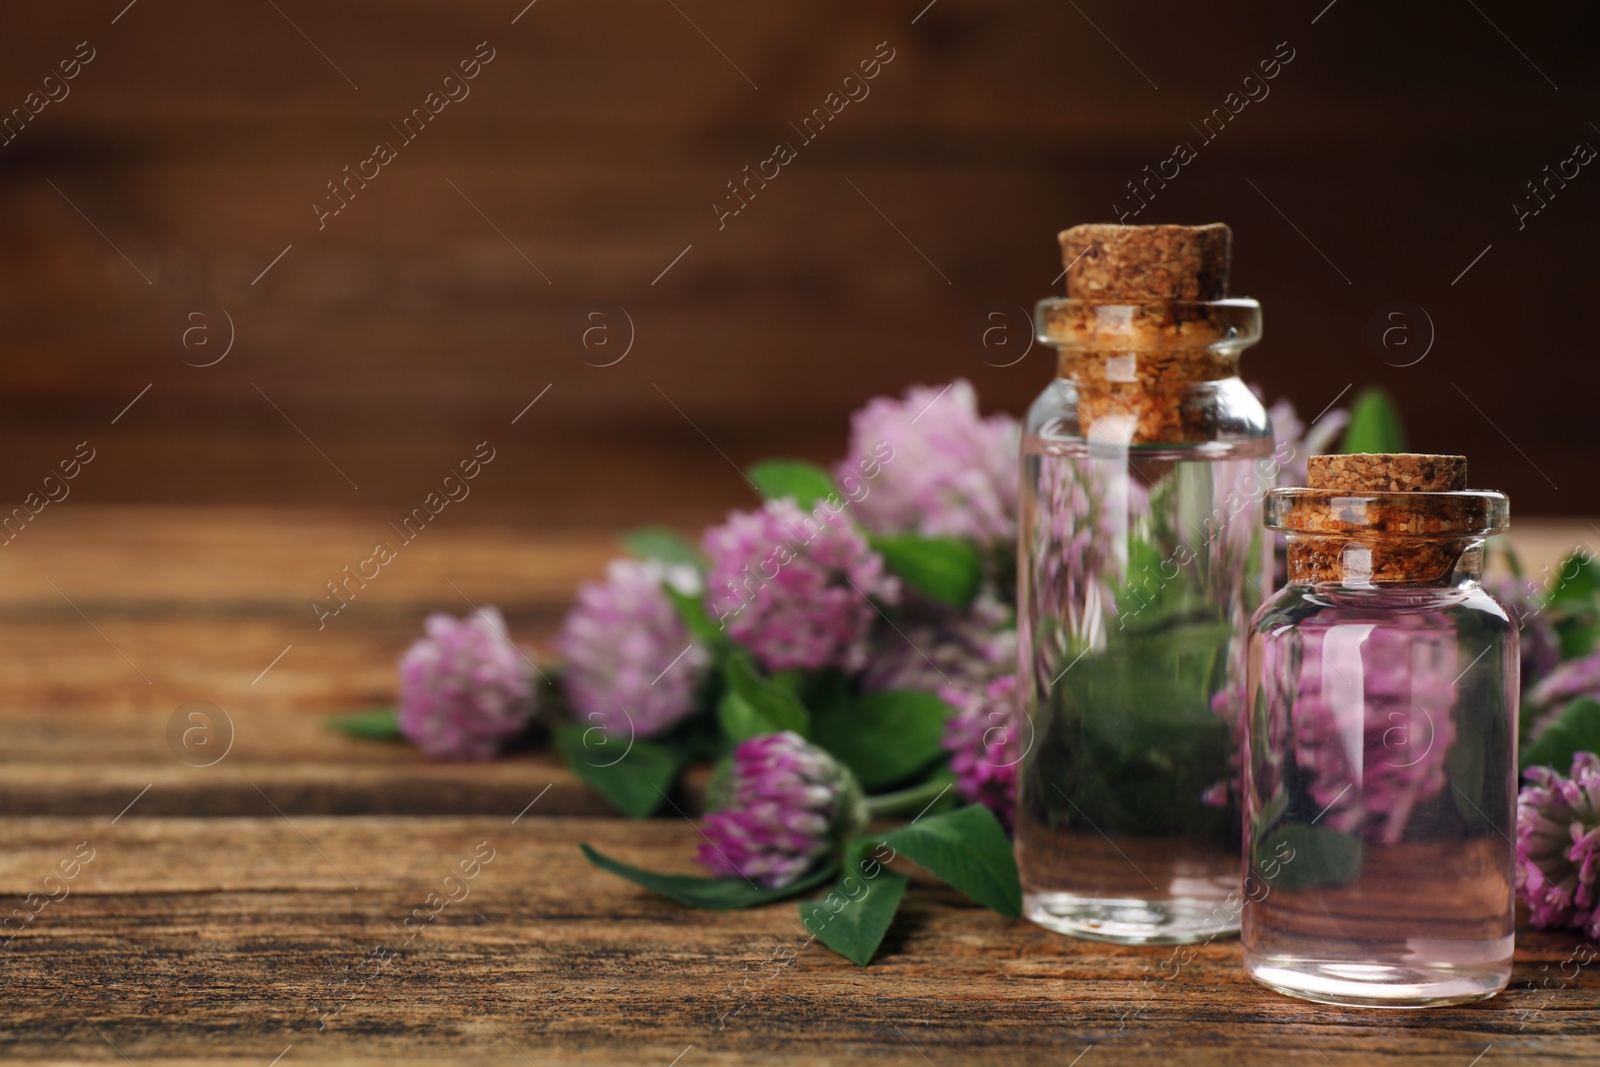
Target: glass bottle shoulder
1459, 608
1226, 407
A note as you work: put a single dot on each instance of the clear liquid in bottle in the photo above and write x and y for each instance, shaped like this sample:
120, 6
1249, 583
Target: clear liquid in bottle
1139, 568
1380, 759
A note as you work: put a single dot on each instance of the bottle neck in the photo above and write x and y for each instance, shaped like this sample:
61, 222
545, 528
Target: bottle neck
1384, 561
1137, 367
1158, 371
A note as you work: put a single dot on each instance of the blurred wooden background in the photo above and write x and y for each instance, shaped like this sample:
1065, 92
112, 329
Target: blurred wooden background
456, 286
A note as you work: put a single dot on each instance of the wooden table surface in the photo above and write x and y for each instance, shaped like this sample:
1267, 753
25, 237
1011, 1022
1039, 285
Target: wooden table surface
115, 618
256, 907
235, 939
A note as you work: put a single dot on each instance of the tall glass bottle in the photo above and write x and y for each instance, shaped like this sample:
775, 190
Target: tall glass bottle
1141, 558
1380, 802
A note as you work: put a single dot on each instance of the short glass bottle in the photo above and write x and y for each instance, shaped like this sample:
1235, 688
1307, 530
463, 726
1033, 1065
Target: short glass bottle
1141, 558
1380, 795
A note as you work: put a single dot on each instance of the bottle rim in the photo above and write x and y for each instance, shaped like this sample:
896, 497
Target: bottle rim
1226, 325
1406, 516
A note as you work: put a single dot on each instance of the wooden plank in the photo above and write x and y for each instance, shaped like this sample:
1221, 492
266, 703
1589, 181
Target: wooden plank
190, 940
85, 732
213, 607
253, 562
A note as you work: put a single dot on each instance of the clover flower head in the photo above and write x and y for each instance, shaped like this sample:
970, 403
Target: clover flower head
631, 665
465, 689
932, 647
1558, 845
779, 806
792, 586
930, 464
986, 738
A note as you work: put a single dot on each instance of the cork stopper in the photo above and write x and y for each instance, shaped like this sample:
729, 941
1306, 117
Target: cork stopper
1113, 264
1144, 321
1373, 518
1388, 472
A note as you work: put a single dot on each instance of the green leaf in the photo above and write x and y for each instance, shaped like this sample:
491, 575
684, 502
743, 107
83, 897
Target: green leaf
885, 737
739, 720
692, 610
945, 569
662, 543
379, 724
967, 850
804, 483
1577, 581
853, 918
634, 779
1573, 606
791, 679
1299, 856
825, 691
764, 699
1578, 637
1576, 729
717, 894
1375, 424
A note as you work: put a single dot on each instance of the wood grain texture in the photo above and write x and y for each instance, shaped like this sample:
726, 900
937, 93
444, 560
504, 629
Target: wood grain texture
233, 939
599, 138
151, 609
